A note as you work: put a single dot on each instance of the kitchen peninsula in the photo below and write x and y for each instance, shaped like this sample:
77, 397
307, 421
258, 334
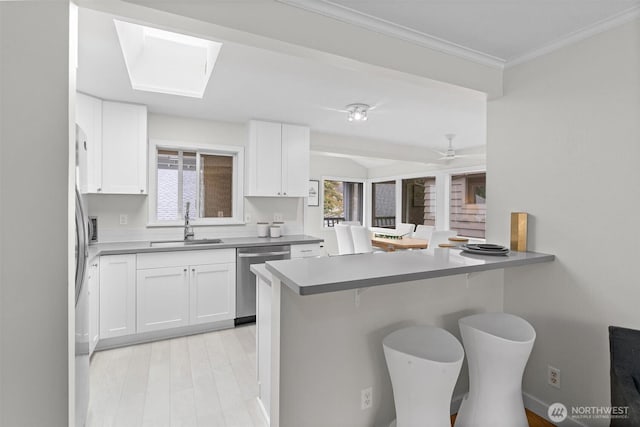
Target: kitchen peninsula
321, 322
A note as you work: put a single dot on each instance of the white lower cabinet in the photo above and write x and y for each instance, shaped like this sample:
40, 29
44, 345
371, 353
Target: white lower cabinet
93, 281
185, 288
117, 295
213, 292
162, 298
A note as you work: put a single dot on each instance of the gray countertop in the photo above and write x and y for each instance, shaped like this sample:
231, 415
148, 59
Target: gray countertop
231, 242
310, 276
261, 270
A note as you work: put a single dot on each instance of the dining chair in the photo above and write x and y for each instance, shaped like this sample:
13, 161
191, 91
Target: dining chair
345, 241
423, 232
440, 236
361, 239
404, 229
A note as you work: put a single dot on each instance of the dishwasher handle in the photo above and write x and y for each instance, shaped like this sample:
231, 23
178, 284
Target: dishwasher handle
263, 254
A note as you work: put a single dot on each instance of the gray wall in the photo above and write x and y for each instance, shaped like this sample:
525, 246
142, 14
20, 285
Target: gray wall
564, 145
34, 239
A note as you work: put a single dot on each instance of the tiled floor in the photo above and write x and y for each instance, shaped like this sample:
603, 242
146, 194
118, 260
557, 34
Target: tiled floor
206, 380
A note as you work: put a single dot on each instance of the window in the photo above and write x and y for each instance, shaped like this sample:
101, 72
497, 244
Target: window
419, 201
467, 212
206, 178
383, 204
343, 201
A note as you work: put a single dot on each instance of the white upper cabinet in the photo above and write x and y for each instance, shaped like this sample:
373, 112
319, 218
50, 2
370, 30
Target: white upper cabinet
114, 160
295, 160
89, 118
278, 160
124, 148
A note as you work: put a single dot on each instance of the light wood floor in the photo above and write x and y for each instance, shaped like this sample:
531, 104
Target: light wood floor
534, 420
206, 380
203, 380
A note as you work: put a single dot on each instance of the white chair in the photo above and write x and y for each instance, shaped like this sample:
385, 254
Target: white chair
424, 363
361, 239
345, 241
423, 232
498, 346
440, 236
403, 229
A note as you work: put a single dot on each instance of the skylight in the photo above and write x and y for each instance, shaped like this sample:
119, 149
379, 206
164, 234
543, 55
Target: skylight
166, 62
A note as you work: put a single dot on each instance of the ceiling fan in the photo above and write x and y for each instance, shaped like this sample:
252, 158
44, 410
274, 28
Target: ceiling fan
450, 154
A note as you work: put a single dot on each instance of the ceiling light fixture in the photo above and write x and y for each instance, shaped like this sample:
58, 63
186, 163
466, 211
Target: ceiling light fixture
357, 112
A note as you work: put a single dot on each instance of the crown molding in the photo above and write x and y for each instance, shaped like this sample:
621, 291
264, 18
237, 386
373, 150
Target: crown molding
579, 35
350, 16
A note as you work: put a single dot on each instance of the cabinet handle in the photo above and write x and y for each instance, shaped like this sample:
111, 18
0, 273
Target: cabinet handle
285, 194
307, 250
278, 193
141, 190
94, 265
185, 270
193, 269
99, 189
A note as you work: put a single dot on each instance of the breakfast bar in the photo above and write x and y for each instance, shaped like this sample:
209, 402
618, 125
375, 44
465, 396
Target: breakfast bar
321, 322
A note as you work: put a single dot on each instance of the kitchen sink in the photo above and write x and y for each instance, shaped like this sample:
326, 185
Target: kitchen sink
185, 242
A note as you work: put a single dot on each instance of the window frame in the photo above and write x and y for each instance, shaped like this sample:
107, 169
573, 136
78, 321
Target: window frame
362, 181
237, 152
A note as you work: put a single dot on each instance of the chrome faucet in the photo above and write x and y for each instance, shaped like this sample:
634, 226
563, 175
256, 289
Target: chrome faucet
188, 230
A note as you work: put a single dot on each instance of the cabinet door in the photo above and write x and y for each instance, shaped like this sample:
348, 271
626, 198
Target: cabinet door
117, 295
308, 250
93, 280
163, 298
89, 118
295, 161
213, 292
124, 148
265, 159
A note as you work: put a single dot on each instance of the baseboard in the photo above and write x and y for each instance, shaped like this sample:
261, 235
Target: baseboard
164, 334
533, 404
540, 408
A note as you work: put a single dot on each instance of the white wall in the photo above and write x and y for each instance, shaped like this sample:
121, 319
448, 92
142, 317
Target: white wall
564, 145
328, 166
332, 349
34, 227
108, 208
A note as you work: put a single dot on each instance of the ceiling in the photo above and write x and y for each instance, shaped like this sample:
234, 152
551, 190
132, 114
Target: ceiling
504, 30
252, 83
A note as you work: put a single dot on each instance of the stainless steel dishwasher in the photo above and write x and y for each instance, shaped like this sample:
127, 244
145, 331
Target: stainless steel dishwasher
246, 280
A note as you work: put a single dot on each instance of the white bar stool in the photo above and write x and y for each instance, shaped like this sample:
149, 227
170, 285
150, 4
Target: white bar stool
498, 346
424, 363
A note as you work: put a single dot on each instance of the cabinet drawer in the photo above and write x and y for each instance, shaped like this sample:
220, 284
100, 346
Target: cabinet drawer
305, 251
181, 258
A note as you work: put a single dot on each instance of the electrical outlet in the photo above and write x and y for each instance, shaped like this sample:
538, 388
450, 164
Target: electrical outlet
124, 219
553, 376
366, 398
277, 217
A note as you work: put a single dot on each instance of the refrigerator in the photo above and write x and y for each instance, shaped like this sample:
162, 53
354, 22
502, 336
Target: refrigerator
81, 299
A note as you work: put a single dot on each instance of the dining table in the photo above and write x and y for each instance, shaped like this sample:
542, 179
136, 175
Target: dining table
393, 244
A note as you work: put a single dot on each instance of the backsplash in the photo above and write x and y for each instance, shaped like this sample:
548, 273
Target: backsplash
109, 209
